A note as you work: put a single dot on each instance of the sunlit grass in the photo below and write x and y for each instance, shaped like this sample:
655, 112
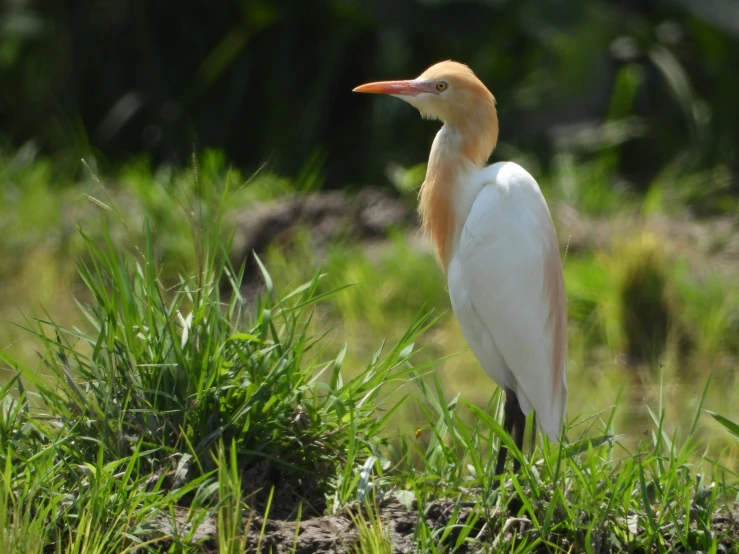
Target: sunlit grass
41, 211
141, 380
165, 394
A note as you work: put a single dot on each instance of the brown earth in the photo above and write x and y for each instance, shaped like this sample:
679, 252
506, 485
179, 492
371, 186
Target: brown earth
335, 534
338, 534
368, 217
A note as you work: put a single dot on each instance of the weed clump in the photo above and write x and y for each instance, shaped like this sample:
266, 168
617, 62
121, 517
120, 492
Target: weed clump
646, 313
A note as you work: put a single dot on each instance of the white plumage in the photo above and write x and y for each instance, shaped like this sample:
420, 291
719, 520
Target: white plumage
496, 275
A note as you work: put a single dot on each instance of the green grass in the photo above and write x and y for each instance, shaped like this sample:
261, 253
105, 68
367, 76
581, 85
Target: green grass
41, 211
174, 395
157, 389
181, 377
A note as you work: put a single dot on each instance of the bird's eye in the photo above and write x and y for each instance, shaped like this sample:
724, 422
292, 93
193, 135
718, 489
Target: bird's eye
441, 86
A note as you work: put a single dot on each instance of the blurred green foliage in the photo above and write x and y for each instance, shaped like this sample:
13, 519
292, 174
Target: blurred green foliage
652, 84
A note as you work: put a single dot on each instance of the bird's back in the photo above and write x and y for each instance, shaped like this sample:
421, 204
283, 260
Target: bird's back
507, 291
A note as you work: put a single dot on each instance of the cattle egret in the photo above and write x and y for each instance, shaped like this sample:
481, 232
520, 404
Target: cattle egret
495, 240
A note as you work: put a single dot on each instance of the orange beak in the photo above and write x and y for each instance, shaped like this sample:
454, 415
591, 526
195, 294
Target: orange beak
398, 88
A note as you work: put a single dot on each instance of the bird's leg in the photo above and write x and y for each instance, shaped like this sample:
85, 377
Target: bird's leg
519, 425
510, 410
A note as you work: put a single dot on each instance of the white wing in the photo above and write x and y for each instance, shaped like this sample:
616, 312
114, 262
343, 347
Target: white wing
507, 290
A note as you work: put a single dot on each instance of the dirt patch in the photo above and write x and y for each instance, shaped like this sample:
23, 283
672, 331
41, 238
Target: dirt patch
335, 534
338, 534
367, 216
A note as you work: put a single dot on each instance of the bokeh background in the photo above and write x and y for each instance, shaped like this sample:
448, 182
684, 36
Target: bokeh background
627, 113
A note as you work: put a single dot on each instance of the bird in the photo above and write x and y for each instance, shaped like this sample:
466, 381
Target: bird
494, 238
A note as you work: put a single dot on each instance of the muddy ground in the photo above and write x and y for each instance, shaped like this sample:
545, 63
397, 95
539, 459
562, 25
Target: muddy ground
337, 534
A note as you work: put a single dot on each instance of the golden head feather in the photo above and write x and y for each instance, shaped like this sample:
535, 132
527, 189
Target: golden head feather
450, 92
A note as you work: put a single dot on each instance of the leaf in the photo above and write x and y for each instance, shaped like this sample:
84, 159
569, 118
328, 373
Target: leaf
583, 445
186, 323
365, 484
406, 498
246, 337
265, 275
730, 426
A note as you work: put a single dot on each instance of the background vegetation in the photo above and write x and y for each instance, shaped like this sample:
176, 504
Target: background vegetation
158, 129
269, 81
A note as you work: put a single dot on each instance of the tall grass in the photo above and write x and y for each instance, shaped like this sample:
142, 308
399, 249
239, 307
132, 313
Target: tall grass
171, 387
179, 395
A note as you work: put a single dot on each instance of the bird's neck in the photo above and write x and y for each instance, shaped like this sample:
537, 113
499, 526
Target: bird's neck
459, 148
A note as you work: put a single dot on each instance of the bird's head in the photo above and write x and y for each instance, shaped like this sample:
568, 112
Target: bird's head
448, 91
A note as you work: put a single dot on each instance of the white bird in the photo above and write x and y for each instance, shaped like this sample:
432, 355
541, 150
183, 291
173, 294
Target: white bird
494, 238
